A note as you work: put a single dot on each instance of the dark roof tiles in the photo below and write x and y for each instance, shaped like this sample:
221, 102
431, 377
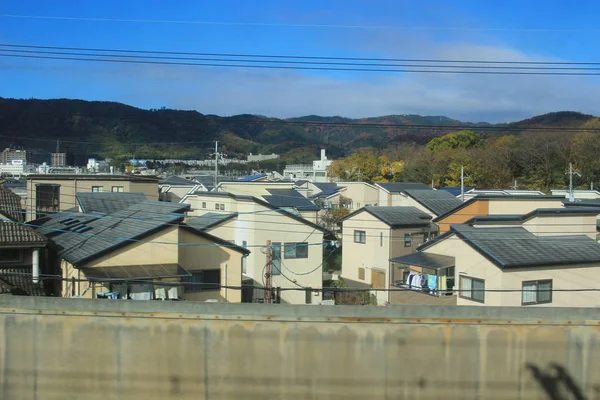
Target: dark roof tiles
396, 216
437, 201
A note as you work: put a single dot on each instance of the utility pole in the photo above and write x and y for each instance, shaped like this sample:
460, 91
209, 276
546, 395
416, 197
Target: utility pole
267, 295
462, 183
216, 163
571, 173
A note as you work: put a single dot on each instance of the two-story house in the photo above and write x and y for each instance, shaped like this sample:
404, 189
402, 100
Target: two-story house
374, 235
49, 193
296, 250
548, 257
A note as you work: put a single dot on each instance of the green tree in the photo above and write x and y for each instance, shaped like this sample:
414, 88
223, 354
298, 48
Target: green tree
464, 139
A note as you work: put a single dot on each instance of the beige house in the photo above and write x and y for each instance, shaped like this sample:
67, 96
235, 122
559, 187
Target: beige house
142, 252
297, 244
495, 205
49, 193
543, 259
374, 235
360, 194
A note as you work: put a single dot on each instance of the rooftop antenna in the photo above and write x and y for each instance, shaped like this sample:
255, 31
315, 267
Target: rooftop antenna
571, 173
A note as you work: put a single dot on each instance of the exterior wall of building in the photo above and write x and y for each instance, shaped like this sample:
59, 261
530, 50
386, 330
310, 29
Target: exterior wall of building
547, 225
361, 193
201, 205
578, 194
255, 225
477, 208
69, 187
470, 263
521, 206
252, 188
207, 255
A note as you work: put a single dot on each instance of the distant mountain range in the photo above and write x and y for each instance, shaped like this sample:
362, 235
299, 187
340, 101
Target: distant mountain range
109, 129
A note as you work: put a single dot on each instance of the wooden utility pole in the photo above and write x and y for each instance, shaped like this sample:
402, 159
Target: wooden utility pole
268, 274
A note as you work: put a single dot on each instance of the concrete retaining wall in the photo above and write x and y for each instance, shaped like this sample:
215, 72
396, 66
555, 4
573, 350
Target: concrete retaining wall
105, 349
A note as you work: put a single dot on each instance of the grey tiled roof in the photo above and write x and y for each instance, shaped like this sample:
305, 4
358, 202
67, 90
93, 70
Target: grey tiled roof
10, 205
437, 201
517, 247
427, 260
18, 281
176, 180
289, 198
397, 216
16, 233
208, 220
325, 185
81, 238
107, 202
402, 187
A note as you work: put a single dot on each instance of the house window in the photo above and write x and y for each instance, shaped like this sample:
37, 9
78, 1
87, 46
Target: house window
380, 239
117, 189
97, 189
361, 274
216, 206
472, 289
296, 250
276, 258
407, 240
8, 256
360, 237
47, 199
200, 281
222, 207
203, 204
537, 292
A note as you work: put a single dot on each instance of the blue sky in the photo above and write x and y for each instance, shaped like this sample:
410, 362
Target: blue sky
507, 30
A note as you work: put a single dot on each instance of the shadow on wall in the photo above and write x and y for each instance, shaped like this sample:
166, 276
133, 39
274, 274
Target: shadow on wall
557, 382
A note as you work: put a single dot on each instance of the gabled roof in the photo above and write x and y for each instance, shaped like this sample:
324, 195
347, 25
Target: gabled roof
427, 260
396, 216
497, 197
175, 180
107, 202
401, 187
209, 220
325, 185
10, 205
516, 247
289, 198
18, 234
436, 201
84, 237
520, 218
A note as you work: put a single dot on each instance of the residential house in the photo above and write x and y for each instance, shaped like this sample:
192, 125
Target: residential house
22, 268
469, 194
495, 205
360, 194
430, 201
504, 266
142, 252
374, 235
278, 194
296, 249
174, 188
48, 194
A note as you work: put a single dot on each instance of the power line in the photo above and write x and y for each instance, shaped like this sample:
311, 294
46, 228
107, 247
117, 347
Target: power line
280, 56
478, 72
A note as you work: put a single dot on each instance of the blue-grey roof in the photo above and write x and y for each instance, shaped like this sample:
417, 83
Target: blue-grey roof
325, 185
396, 216
79, 238
108, 202
178, 181
517, 247
283, 198
427, 260
209, 220
10, 205
454, 191
251, 178
436, 201
519, 218
401, 187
